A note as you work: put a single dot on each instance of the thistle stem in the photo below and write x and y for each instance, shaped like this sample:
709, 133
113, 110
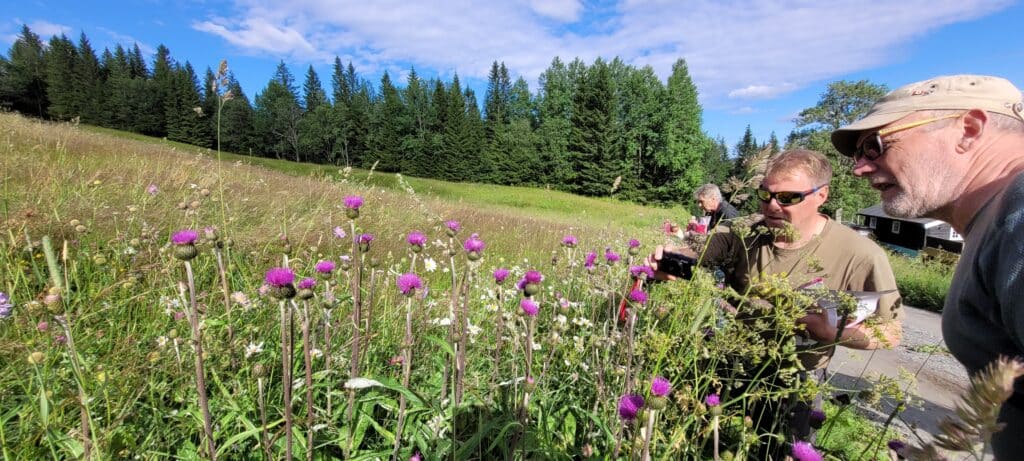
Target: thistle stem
204, 403
406, 374
307, 353
286, 376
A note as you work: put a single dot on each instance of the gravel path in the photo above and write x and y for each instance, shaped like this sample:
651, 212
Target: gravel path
921, 353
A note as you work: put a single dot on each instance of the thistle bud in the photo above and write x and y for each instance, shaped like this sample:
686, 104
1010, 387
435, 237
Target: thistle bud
352, 213
259, 370
304, 294
36, 358
530, 385
657, 403
185, 252
531, 289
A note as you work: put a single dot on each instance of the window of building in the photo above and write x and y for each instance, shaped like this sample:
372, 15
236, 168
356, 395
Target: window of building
872, 222
895, 227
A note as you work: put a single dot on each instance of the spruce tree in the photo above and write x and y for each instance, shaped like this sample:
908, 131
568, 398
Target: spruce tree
60, 78
591, 142
555, 125
23, 81
278, 115
686, 142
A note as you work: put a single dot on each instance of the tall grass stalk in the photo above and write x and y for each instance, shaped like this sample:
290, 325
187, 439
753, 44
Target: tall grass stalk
57, 279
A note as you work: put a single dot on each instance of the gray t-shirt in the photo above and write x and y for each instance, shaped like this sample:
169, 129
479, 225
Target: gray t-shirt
984, 313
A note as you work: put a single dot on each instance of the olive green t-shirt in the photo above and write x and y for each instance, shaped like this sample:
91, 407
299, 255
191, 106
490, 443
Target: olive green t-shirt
839, 256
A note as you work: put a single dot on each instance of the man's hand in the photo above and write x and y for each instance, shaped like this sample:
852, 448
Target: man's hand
652, 260
818, 327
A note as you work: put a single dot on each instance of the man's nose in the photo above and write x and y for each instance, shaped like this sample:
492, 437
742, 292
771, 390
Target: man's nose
863, 166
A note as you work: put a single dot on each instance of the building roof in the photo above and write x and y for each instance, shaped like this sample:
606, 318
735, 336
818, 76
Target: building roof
877, 211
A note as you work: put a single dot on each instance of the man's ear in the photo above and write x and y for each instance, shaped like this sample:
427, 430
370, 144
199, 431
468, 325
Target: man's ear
972, 130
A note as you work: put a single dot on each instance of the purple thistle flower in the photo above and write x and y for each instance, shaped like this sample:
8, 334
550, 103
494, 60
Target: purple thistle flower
611, 256
638, 296
589, 261
500, 274
325, 267
896, 445
353, 202
453, 226
569, 241
660, 386
533, 277
416, 457
629, 406
634, 243
279, 277
185, 237
339, 232
307, 283
152, 189
474, 244
5, 305
817, 418
641, 271
529, 307
365, 239
712, 400
417, 238
804, 451
521, 284
409, 283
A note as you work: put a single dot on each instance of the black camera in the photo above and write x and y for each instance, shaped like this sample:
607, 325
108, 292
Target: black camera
676, 264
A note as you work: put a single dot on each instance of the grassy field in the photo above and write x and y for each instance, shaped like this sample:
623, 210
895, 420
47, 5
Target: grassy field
103, 335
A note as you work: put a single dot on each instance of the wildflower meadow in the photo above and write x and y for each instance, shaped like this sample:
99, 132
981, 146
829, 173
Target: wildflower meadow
167, 305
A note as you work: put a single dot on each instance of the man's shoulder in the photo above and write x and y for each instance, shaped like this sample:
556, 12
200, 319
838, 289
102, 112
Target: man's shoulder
848, 241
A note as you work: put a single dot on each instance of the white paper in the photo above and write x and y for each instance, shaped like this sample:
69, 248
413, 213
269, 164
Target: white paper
867, 304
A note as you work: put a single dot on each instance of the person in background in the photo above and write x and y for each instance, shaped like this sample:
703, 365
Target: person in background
709, 199
952, 148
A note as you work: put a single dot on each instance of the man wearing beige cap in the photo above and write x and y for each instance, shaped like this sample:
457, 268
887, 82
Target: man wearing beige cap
952, 148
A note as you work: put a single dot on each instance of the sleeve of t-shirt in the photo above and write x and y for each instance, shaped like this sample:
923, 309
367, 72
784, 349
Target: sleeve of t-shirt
878, 276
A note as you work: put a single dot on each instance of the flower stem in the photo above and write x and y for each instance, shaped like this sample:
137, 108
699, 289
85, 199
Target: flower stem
406, 374
286, 376
204, 403
647, 435
265, 439
309, 379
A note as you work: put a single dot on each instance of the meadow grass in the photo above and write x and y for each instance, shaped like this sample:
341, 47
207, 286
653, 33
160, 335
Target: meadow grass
922, 284
101, 338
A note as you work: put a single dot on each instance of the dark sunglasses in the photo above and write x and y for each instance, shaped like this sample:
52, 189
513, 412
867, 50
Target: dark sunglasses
784, 197
873, 147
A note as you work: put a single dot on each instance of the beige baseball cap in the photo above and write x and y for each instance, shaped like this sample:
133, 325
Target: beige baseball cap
952, 92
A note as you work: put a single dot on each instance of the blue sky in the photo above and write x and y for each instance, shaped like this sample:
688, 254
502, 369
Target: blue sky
755, 62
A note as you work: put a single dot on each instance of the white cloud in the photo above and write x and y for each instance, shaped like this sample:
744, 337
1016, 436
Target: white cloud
760, 91
562, 10
742, 49
743, 110
46, 29
260, 34
127, 41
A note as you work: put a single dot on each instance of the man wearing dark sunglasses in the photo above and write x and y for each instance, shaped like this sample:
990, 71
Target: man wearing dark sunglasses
952, 148
796, 240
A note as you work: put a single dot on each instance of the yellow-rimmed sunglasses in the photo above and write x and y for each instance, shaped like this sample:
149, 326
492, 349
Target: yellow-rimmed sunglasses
872, 147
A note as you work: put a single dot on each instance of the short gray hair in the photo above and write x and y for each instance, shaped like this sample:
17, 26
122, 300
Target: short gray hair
1002, 122
708, 191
